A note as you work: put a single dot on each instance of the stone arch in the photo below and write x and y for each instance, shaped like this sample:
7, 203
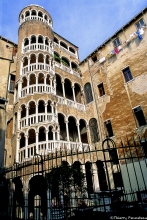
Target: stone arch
23, 110
26, 42
94, 132
78, 93
65, 61
42, 133
40, 39
68, 89
83, 131
32, 79
59, 89
72, 50
32, 58
88, 92
40, 58
32, 107
33, 39
22, 140
63, 45
72, 128
41, 78
25, 61
88, 167
50, 132
56, 40
33, 12
31, 136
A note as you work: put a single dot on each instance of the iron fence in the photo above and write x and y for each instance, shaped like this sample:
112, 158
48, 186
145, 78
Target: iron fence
104, 181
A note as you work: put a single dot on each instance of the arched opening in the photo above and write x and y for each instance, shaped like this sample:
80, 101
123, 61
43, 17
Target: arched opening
33, 12
74, 66
41, 106
22, 17
68, 89
78, 93
77, 167
72, 128
46, 41
18, 198
59, 90
26, 42
48, 79
62, 125
50, 133
32, 108
56, 40
57, 57
40, 78
31, 136
94, 130
33, 39
83, 131
22, 140
40, 14
27, 13
45, 17
40, 58
25, 61
88, 92
24, 82
40, 39
71, 50
47, 59
65, 62
42, 134
23, 111
88, 167
63, 45
32, 79
49, 109
101, 175
37, 198
33, 59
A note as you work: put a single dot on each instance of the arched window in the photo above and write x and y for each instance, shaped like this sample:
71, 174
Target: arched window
88, 92
94, 130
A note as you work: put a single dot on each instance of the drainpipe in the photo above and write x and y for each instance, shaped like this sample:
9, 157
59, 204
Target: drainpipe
98, 115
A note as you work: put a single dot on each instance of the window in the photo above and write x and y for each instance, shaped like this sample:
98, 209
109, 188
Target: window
101, 89
94, 58
140, 23
12, 82
108, 127
113, 156
116, 42
127, 74
94, 130
139, 116
144, 148
118, 182
88, 92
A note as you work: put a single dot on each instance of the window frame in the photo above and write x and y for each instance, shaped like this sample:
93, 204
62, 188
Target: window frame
124, 74
138, 23
88, 93
11, 85
99, 89
108, 121
117, 43
136, 119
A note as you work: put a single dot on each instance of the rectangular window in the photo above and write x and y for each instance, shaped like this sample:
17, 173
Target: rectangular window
144, 148
127, 74
101, 89
139, 116
118, 182
116, 42
94, 58
12, 82
140, 23
108, 127
113, 156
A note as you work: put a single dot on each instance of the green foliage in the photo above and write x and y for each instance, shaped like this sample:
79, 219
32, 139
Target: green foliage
65, 178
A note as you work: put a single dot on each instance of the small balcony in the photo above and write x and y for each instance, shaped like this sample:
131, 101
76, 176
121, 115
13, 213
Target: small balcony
44, 148
70, 103
67, 69
36, 47
39, 118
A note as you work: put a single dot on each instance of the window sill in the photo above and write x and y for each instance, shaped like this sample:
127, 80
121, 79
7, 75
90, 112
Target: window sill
102, 96
142, 126
129, 81
89, 103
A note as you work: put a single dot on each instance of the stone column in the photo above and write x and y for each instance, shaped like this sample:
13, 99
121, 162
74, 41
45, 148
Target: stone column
17, 147
67, 132
44, 59
45, 112
29, 63
27, 114
52, 108
37, 43
63, 89
95, 180
36, 82
36, 62
26, 147
19, 88
36, 113
29, 42
28, 84
45, 89
79, 135
18, 119
43, 43
73, 91
36, 142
